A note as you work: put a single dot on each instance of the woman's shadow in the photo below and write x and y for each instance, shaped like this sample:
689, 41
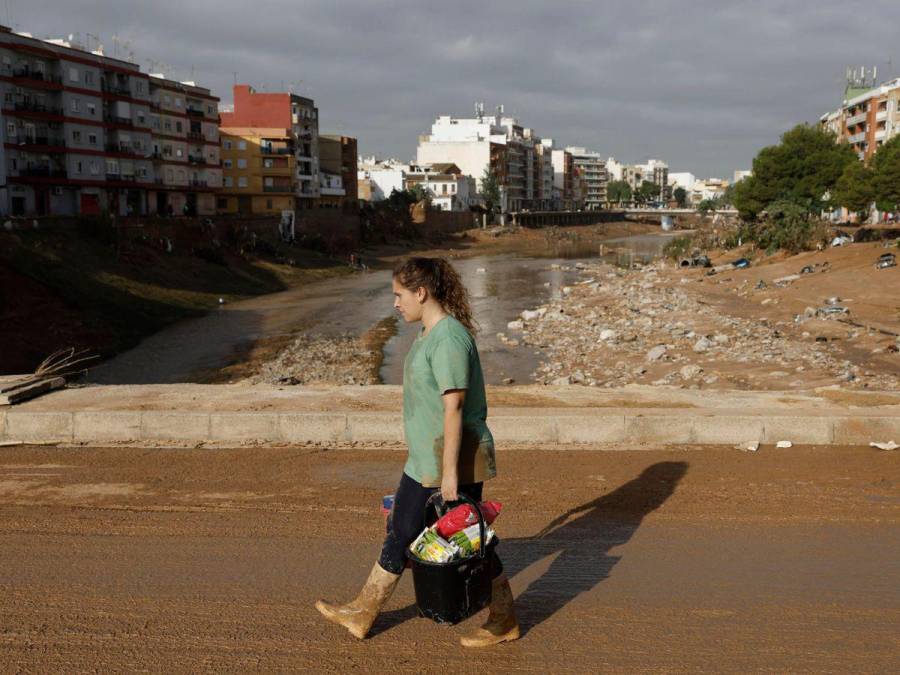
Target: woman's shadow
582, 538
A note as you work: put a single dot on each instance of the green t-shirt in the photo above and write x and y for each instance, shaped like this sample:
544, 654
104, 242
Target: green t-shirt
444, 359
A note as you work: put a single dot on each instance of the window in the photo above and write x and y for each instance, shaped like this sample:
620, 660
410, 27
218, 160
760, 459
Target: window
167, 99
79, 168
76, 136
242, 181
268, 203
89, 77
181, 174
92, 109
209, 110
167, 151
7, 97
443, 188
179, 152
73, 74
142, 172
242, 145
226, 145
13, 164
242, 164
178, 127
268, 181
76, 105
227, 163
229, 181
268, 163
140, 117
95, 168
167, 125
11, 129
222, 203
112, 167
178, 102
92, 139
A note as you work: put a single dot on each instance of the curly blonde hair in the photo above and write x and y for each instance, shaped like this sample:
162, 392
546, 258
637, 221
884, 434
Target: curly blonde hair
442, 282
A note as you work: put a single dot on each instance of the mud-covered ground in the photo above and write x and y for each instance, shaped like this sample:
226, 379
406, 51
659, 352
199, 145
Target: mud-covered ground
703, 559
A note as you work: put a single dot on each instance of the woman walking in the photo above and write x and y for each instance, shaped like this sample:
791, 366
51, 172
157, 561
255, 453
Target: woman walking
450, 446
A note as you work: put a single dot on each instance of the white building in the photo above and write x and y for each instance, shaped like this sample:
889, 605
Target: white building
591, 168
740, 174
382, 177
492, 142
682, 179
657, 171
445, 184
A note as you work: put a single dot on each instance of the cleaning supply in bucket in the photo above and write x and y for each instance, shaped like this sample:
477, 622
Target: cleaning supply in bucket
432, 547
469, 540
463, 516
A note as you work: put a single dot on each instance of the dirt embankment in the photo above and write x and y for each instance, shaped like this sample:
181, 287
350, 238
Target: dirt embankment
62, 288
764, 327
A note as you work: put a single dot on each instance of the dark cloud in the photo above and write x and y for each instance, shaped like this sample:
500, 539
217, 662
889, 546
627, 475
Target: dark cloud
700, 84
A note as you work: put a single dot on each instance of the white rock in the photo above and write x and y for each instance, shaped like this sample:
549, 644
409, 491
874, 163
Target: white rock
531, 315
656, 353
784, 444
562, 380
702, 345
481, 270
515, 325
889, 445
607, 334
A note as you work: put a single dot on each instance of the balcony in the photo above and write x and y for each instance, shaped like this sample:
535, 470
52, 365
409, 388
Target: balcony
198, 182
857, 138
195, 135
43, 141
194, 112
120, 178
272, 150
284, 189
115, 88
881, 116
856, 119
36, 76
880, 134
28, 106
115, 119
42, 172
196, 159
124, 149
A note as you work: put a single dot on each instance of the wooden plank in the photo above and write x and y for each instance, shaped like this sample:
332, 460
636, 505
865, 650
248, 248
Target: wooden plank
18, 383
32, 391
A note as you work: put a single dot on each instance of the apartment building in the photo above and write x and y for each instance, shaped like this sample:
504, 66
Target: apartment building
544, 172
338, 172
377, 179
869, 115
258, 166
591, 168
656, 171
254, 112
487, 141
85, 133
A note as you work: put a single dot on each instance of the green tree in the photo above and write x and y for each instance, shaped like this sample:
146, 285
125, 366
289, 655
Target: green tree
618, 191
680, 195
706, 206
648, 191
803, 168
855, 190
490, 190
886, 176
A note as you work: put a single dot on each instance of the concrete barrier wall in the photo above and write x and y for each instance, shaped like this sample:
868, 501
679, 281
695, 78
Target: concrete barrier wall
676, 427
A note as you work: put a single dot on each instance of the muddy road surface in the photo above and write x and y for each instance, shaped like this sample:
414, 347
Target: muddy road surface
671, 560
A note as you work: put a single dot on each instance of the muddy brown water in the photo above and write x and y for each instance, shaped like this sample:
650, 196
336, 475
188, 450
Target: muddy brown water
501, 287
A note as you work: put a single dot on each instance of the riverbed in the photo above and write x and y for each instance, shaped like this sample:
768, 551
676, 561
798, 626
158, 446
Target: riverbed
501, 286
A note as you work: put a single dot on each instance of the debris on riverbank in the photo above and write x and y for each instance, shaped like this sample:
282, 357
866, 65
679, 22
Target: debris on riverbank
663, 325
346, 359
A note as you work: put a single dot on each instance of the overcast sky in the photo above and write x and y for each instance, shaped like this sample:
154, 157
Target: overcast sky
700, 84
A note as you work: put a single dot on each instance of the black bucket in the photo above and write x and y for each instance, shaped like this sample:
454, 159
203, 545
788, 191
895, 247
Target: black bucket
453, 591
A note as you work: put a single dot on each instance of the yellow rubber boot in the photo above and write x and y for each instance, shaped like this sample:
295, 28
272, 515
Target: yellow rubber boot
502, 625
359, 615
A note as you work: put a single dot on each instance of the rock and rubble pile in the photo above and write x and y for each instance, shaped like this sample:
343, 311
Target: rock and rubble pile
641, 326
321, 360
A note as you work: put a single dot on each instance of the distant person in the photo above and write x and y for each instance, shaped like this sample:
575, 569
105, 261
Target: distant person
451, 449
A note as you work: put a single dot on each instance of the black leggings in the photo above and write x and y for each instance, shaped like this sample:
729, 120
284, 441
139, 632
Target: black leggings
405, 522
